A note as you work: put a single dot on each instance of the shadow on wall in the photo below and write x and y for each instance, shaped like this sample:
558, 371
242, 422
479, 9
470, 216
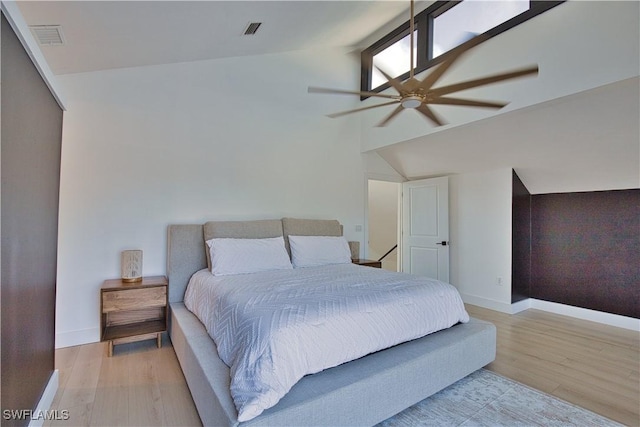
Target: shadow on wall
383, 222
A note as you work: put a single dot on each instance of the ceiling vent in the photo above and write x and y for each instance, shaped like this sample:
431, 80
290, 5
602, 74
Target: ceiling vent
252, 28
48, 35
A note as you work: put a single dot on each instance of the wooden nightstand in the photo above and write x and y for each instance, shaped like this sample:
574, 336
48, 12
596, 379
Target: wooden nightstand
367, 262
133, 311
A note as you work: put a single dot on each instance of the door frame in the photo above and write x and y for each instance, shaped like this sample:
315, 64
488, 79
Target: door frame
386, 178
399, 180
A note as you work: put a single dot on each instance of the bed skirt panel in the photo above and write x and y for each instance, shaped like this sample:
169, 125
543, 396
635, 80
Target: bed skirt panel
362, 392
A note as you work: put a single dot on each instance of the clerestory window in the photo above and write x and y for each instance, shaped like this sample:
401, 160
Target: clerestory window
441, 27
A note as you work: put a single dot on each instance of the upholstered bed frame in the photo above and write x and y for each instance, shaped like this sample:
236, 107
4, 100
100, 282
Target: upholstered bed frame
361, 392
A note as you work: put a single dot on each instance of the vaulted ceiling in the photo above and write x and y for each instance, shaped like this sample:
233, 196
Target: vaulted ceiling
103, 35
583, 142
576, 128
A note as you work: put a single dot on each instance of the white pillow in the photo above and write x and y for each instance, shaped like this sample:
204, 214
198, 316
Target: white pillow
310, 251
239, 256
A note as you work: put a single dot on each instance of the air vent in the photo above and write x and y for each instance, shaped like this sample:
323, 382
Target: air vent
48, 35
252, 28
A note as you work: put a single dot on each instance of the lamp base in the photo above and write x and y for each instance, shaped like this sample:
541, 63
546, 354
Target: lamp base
132, 279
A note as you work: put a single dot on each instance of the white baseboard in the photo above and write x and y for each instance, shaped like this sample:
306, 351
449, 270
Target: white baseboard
491, 304
554, 307
519, 306
83, 336
44, 405
587, 314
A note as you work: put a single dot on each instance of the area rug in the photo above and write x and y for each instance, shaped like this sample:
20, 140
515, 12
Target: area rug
488, 399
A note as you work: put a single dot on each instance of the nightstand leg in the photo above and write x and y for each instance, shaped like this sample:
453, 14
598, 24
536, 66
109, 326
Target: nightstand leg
159, 340
110, 352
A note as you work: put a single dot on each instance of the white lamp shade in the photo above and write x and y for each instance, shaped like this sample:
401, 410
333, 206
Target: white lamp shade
131, 265
355, 249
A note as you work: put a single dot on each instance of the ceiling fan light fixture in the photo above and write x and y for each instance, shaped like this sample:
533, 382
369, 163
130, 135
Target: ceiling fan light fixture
419, 95
411, 101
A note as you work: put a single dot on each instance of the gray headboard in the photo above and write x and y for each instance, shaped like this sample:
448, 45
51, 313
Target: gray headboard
186, 248
185, 256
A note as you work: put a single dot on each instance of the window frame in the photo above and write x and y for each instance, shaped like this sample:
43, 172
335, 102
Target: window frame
423, 23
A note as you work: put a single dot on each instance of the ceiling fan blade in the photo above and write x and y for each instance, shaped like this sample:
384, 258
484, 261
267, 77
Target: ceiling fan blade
449, 58
390, 116
395, 83
484, 81
467, 102
350, 92
343, 113
428, 113
436, 74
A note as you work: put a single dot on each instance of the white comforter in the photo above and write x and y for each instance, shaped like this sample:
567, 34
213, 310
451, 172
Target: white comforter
272, 328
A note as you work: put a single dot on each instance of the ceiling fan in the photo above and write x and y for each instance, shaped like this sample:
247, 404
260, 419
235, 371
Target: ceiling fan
418, 95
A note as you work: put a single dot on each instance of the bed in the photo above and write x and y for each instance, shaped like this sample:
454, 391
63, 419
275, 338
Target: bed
364, 391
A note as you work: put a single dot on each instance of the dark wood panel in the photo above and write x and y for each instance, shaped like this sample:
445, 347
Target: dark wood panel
586, 250
521, 241
31, 144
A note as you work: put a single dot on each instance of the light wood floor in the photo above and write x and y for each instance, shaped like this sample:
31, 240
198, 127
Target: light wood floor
591, 365
140, 385
588, 364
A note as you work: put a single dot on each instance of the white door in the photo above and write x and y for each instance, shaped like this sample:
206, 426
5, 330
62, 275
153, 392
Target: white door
425, 228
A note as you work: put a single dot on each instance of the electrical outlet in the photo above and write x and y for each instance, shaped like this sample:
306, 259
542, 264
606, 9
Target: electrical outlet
499, 281
358, 228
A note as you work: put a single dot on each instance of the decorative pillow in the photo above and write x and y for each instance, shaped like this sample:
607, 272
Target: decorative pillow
240, 256
256, 229
310, 251
309, 227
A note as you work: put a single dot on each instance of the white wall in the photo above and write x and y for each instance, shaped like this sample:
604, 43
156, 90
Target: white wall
589, 141
383, 222
578, 45
237, 138
240, 138
480, 235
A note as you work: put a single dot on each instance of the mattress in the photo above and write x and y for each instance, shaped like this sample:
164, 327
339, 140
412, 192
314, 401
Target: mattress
272, 328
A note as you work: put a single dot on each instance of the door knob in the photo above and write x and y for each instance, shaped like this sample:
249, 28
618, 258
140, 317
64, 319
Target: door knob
443, 243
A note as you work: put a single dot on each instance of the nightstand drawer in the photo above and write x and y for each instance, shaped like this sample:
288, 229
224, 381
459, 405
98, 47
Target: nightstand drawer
134, 299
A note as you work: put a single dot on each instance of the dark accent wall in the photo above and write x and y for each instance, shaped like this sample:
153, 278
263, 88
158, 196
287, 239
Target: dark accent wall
520, 241
585, 250
30, 169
